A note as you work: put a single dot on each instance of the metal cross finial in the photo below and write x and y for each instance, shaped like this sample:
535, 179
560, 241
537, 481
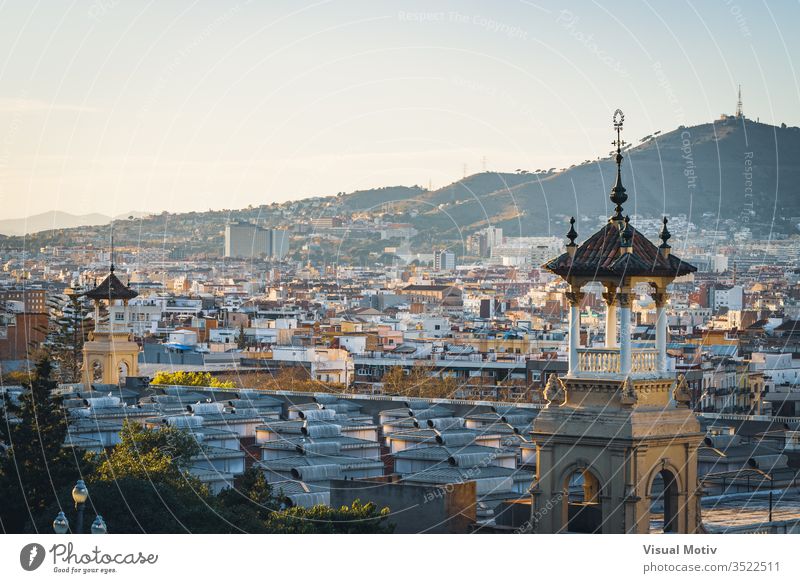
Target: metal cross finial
618, 196
111, 269
619, 119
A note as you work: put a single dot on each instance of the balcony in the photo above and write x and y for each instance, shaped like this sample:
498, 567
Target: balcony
606, 361
113, 328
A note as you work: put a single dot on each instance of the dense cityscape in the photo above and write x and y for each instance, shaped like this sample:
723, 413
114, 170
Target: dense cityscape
366, 269
277, 381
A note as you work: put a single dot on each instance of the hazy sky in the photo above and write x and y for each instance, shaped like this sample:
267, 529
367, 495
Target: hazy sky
110, 106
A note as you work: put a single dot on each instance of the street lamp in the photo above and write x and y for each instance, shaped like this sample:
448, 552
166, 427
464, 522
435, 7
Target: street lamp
80, 493
99, 526
61, 524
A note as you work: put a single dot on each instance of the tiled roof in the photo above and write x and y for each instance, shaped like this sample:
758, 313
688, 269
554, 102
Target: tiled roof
602, 256
111, 288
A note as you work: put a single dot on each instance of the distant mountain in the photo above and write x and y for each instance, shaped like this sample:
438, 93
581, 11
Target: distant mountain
727, 173
733, 169
56, 220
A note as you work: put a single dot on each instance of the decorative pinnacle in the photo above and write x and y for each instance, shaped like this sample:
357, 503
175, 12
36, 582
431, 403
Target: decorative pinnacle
618, 196
572, 234
664, 235
111, 268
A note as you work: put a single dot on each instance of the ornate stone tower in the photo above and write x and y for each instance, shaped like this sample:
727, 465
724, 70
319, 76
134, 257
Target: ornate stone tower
110, 353
616, 438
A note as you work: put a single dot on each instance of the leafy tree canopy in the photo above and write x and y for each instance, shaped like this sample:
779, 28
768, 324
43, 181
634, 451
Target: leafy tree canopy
191, 379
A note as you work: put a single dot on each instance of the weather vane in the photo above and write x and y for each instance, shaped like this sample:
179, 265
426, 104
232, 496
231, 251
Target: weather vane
619, 119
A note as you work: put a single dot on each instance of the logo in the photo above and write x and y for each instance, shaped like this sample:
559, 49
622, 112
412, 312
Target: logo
31, 556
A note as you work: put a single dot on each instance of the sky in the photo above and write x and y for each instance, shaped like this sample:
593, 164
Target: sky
109, 106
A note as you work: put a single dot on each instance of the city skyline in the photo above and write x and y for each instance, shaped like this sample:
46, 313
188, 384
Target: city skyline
182, 108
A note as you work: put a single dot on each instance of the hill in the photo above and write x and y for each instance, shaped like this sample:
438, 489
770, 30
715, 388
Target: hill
724, 174
55, 220
728, 170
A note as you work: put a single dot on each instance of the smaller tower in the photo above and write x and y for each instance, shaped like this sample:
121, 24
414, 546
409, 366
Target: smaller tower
110, 354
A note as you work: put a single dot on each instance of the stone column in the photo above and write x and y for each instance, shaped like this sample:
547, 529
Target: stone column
624, 300
661, 329
611, 318
575, 299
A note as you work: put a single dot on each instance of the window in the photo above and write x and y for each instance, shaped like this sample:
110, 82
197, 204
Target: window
119, 316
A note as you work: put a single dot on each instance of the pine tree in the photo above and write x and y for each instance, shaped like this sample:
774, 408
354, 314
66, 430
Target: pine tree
35, 468
241, 340
69, 326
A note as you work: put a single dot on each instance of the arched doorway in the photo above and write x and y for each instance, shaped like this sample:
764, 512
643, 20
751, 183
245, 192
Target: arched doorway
584, 511
664, 499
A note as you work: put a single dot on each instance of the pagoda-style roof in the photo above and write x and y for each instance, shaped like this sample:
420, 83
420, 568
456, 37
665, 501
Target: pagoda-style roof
111, 288
604, 256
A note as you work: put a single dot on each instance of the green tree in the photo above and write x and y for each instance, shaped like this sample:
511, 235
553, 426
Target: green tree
143, 485
321, 519
250, 502
163, 454
35, 468
241, 340
190, 379
67, 330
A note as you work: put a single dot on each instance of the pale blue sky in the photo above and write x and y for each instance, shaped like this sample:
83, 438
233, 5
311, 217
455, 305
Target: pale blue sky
108, 106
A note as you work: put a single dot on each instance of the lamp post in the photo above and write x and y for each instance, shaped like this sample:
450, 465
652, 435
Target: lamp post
99, 526
80, 493
61, 524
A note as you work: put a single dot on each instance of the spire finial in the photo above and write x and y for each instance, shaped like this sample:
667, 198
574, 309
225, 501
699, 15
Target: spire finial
618, 196
572, 234
665, 236
111, 268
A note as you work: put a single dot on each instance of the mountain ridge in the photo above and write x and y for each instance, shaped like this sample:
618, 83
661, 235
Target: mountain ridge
730, 172
57, 220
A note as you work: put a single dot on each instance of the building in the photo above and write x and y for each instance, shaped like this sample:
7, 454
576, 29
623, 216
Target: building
110, 354
19, 332
249, 241
731, 298
444, 260
31, 300
279, 244
616, 438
